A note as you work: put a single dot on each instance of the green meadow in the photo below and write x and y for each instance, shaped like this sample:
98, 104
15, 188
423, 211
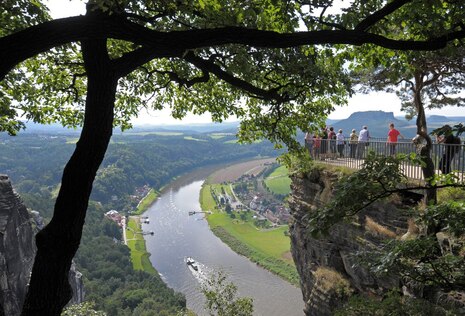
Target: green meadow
220, 135
269, 248
136, 243
146, 202
278, 181
195, 139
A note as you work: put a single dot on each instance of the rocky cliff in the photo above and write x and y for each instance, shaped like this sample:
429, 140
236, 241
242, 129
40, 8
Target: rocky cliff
17, 251
329, 268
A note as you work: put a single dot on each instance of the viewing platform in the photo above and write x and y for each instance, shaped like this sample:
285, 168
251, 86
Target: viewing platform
353, 155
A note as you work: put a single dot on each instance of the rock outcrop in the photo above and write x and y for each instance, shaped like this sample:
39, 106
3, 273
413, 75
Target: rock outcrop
17, 251
329, 267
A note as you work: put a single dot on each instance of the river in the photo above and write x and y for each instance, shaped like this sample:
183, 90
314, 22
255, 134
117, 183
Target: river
178, 235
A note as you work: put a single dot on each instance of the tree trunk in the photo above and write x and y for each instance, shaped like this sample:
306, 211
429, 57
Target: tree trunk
49, 290
425, 153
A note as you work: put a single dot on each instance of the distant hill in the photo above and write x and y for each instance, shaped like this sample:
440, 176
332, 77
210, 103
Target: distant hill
230, 127
192, 128
377, 122
54, 128
437, 118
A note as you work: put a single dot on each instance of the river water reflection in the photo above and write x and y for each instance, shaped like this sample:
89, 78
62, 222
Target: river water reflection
178, 235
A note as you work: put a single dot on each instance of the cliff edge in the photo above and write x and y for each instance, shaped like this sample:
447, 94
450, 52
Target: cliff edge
17, 251
329, 267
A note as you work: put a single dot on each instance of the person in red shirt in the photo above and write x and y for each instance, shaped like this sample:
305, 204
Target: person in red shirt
392, 139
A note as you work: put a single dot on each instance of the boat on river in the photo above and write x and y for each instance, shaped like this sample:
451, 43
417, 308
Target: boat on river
191, 263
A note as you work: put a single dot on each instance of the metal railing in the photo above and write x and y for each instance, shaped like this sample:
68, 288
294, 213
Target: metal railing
447, 158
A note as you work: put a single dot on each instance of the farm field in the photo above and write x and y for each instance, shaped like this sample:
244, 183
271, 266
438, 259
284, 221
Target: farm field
195, 139
269, 241
220, 135
233, 172
278, 181
269, 247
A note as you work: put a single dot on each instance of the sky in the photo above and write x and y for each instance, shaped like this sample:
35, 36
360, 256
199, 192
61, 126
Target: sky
375, 101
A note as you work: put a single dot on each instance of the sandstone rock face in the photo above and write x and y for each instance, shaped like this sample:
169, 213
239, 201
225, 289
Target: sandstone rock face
17, 251
77, 284
339, 250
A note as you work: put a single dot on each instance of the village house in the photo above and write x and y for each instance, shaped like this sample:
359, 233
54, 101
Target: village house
142, 191
271, 217
283, 213
116, 217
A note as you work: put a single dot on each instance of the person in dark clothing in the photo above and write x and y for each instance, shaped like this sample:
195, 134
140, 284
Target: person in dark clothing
451, 143
332, 140
324, 142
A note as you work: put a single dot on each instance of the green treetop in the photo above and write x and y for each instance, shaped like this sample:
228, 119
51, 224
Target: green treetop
273, 64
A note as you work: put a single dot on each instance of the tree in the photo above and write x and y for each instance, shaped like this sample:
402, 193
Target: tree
221, 298
422, 80
223, 57
86, 308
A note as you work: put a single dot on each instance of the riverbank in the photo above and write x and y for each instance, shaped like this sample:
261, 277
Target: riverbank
269, 248
135, 238
136, 243
178, 236
146, 201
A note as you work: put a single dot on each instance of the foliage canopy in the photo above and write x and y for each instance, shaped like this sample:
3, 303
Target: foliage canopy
252, 60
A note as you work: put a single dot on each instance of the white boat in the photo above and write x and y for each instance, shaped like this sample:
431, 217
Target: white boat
191, 262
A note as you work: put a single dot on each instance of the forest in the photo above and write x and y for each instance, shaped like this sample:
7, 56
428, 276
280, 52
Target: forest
33, 162
110, 281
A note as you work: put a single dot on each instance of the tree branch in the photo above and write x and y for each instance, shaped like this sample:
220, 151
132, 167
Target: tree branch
130, 61
211, 67
186, 82
380, 14
22, 45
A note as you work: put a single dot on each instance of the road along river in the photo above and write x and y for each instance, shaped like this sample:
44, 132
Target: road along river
178, 235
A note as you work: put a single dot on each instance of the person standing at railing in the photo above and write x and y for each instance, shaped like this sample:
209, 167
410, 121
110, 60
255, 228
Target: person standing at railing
451, 143
316, 146
391, 142
309, 143
363, 141
353, 143
340, 142
324, 143
332, 140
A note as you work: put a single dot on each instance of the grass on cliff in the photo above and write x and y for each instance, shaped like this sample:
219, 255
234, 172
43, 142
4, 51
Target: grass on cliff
269, 248
136, 243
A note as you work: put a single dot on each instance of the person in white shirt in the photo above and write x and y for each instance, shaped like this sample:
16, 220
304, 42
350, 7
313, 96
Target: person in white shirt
363, 139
